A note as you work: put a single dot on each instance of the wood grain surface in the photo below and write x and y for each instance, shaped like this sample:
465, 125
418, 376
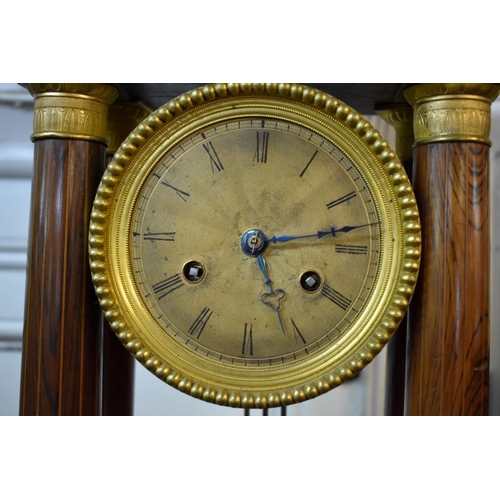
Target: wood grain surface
449, 331
61, 346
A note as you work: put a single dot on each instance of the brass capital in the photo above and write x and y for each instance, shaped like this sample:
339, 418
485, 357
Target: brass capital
71, 110
123, 117
400, 116
452, 111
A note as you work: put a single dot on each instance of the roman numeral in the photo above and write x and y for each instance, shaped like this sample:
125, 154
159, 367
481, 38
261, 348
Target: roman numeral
352, 249
215, 162
196, 329
159, 236
247, 346
298, 335
262, 144
182, 194
163, 288
345, 198
308, 163
335, 297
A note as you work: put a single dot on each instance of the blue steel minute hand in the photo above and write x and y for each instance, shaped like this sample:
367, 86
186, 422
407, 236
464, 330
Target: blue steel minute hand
320, 234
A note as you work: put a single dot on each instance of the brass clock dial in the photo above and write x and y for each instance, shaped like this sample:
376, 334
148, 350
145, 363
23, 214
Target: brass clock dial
254, 246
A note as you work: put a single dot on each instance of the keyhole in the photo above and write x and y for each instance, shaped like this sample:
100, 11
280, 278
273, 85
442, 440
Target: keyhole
193, 271
310, 281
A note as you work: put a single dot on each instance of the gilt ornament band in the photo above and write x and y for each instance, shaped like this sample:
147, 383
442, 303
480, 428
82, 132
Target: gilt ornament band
452, 112
69, 111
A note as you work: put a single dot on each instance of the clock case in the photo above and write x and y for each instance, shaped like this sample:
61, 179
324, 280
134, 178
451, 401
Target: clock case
264, 386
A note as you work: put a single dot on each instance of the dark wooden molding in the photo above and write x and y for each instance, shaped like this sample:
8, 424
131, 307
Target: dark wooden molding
361, 96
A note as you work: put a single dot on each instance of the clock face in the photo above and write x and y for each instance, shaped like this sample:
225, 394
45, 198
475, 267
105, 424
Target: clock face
253, 249
255, 242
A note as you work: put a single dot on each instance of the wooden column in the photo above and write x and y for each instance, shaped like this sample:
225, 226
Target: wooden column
400, 116
448, 350
61, 341
117, 363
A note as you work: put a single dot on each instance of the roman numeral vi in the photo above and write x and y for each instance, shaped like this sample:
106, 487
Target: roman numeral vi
261, 147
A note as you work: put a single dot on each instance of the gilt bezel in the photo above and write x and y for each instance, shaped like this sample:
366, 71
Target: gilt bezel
274, 385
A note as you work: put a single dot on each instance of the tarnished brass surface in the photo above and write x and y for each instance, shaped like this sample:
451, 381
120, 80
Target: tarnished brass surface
452, 111
197, 174
123, 117
71, 111
400, 116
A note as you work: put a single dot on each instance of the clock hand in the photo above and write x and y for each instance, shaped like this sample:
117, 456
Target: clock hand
276, 294
320, 234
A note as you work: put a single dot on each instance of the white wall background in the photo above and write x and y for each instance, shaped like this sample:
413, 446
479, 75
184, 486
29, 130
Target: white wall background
363, 395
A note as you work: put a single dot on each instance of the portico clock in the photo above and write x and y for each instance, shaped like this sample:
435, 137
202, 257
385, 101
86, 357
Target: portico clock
254, 245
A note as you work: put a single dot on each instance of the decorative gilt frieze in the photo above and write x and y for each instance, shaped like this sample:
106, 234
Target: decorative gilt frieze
123, 117
71, 111
452, 112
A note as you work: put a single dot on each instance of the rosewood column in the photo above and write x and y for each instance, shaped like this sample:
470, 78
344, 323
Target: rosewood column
61, 342
117, 363
448, 350
400, 116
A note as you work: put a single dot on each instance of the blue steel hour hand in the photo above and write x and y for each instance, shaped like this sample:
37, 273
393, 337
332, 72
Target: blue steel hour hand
320, 234
272, 298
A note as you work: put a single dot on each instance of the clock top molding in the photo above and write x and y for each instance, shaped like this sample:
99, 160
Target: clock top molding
363, 97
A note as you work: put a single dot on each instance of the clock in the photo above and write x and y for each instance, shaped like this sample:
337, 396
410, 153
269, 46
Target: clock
254, 245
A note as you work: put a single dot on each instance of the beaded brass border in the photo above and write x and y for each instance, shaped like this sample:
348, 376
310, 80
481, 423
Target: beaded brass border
358, 129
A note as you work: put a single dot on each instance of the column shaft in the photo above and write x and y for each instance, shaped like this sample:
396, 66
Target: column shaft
449, 349
60, 373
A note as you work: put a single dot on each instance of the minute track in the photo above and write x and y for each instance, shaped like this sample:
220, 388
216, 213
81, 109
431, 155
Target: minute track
194, 190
